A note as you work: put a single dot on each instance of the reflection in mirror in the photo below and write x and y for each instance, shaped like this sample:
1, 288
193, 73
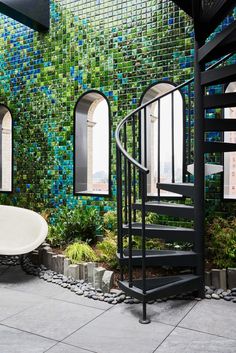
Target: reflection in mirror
165, 137
5, 149
230, 157
92, 144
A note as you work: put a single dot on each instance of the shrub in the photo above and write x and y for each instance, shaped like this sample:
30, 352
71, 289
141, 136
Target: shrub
79, 252
106, 251
221, 242
81, 224
110, 221
56, 235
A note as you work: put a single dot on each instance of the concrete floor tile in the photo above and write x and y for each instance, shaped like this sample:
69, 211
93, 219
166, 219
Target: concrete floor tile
15, 341
211, 316
188, 341
53, 319
64, 348
118, 330
12, 302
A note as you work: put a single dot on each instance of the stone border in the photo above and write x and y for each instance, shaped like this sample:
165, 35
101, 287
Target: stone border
225, 279
89, 272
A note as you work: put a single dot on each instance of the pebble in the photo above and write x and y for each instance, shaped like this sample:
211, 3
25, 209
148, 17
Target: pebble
215, 296
228, 298
80, 292
207, 296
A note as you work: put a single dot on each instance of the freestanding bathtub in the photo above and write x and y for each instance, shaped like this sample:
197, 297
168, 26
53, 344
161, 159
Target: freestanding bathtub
21, 230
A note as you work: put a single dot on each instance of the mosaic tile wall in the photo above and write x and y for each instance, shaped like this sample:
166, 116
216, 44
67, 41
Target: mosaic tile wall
119, 47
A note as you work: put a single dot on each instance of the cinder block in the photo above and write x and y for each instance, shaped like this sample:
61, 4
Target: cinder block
73, 271
231, 278
219, 278
107, 281
91, 266
83, 271
208, 279
98, 274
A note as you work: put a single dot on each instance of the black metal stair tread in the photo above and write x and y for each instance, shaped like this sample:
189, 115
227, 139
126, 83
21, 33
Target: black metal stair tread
220, 125
211, 147
169, 209
161, 287
165, 232
224, 100
222, 44
160, 258
220, 75
157, 253
185, 189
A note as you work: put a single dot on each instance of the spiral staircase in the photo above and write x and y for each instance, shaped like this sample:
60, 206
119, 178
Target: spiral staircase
133, 201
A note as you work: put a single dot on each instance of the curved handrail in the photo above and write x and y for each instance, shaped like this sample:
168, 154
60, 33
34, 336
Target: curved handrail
126, 119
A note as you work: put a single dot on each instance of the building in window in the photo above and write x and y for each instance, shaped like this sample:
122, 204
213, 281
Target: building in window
230, 157
92, 144
5, 149
163, 114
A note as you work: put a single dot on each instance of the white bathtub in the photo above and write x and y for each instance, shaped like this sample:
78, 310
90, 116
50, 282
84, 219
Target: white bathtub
21, 230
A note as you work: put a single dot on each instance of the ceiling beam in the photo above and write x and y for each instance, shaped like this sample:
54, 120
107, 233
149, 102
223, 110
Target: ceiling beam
32, 13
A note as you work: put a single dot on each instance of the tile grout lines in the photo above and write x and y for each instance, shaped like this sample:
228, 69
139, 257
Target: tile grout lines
156, 350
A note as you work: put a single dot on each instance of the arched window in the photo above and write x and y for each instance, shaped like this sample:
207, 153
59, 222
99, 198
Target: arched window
230, 157
92, 144
169, 168
5, 149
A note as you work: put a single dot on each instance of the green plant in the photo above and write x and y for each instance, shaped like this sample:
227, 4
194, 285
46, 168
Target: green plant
110, 221
79, 252
81, 224
56, 235
106, 251
221, 242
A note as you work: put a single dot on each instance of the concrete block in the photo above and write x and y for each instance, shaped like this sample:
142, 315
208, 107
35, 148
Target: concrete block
73, 271
54, 263
83, 271
98, 273
91, 266
219, 278
67, 263
208, 279
60, 263
34, 257
231, 278
107, 281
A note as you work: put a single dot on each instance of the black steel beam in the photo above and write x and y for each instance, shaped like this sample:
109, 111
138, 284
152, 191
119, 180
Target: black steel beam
34, 14
220, 125
216, 76
224, 100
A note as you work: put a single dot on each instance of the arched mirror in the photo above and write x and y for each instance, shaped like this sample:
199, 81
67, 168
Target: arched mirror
230, 157
5, 149
92, 144
165, 124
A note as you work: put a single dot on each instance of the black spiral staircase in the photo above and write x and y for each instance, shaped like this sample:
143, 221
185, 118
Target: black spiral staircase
133, 201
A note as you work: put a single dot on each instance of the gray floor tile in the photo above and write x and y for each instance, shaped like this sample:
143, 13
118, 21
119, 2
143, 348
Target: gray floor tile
118, 330
13, 302
64, 348
215, 317
15, 341
170, 312
16, 278
53, 319
187, 341
76, 299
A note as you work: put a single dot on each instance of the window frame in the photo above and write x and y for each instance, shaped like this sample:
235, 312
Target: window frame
75, 147
184, 164
3, 110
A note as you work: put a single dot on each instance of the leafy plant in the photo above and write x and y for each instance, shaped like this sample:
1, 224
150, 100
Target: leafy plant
221, 242
80, 252
110, 221
106, 251
56, 235
81, 224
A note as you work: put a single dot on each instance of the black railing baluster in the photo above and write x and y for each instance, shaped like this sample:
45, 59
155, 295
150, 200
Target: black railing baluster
125, 175
130, 225
189, 128
134, 168
172, 138
119, 208
159, 147
145, 136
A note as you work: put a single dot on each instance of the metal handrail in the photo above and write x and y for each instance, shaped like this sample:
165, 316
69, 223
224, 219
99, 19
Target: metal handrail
130, 115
